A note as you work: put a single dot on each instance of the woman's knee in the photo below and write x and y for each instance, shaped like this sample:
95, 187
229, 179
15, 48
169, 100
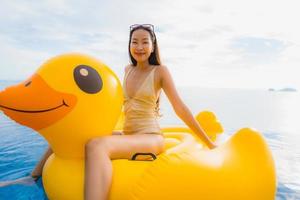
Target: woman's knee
97, 146
157, 144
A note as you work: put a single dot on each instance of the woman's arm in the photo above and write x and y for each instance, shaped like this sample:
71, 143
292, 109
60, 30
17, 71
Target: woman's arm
39, 167
180, 108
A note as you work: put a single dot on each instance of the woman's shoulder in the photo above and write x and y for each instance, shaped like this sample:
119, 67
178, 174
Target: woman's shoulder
161, 69
162, 72
127, 67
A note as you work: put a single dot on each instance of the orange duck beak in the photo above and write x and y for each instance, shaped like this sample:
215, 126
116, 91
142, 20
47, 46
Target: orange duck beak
34, 104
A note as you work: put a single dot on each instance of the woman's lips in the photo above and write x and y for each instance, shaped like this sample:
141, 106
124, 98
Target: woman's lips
139, 54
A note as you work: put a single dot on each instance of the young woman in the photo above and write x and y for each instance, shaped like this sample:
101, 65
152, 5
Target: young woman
144, 79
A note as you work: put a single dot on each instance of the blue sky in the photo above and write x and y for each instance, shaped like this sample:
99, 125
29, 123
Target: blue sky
228, 44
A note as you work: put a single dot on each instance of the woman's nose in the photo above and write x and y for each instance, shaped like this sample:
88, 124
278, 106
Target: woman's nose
139, 47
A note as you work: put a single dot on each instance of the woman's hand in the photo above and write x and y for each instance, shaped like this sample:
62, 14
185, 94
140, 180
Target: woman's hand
212, 145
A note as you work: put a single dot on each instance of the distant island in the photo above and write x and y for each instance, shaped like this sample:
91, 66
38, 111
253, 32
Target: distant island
287, 89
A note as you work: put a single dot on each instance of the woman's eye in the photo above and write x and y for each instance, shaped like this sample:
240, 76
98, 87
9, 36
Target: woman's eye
87, 79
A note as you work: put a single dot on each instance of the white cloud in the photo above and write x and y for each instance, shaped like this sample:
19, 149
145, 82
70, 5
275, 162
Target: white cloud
17, 62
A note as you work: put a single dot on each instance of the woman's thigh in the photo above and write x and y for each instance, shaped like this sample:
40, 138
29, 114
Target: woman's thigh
125, 146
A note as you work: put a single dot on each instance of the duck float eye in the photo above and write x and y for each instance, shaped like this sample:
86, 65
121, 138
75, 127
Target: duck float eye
87, 79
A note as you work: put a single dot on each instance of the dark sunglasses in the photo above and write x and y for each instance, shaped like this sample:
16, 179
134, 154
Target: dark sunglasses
147, 26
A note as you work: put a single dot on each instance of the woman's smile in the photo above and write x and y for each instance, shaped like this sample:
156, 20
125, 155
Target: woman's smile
139, 54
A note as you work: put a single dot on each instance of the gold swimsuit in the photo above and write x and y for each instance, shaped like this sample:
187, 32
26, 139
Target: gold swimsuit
140, 110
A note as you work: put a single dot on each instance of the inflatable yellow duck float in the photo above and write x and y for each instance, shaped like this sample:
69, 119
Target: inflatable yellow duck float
73, 98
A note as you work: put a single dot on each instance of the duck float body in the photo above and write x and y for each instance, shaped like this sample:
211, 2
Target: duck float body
73, 98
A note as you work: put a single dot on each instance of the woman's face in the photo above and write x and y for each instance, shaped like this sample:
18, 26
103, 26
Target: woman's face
141, 45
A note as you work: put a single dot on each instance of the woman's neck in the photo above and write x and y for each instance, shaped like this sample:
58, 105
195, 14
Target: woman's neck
143, 65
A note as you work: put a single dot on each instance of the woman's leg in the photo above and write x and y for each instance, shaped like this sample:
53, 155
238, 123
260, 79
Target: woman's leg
100, 152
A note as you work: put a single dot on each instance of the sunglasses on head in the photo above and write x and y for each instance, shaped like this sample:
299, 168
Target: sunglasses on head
147, 26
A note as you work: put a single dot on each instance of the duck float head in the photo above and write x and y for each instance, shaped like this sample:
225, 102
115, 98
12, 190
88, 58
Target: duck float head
70, 99
73, 97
